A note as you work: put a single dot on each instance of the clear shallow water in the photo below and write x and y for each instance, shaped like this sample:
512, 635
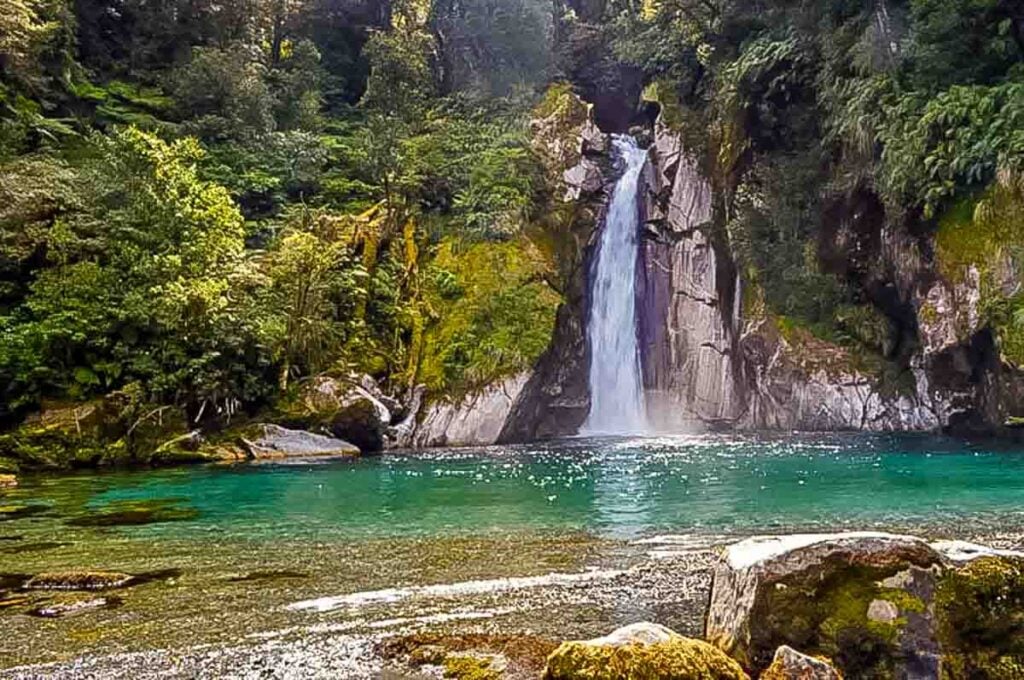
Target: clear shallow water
610, 488
260, 538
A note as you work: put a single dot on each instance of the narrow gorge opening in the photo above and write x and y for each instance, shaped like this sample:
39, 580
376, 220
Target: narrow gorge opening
615, 381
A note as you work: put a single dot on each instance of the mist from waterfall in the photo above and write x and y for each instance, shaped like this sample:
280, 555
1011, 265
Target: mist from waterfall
616, 388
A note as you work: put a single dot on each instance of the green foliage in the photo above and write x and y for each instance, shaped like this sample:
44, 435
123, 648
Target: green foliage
140, 287
121, 103
23, 31
223, 93
264, 176
773, 231
495, 314
216, 198
965, 41
489, 47
400, 81
951, 144
297, 84
305, 310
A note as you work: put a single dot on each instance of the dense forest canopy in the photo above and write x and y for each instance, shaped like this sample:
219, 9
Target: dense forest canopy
201, 202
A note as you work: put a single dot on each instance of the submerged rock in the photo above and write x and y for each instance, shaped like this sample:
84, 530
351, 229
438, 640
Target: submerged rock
21, 510
790, 664
136, 513
9, 581
40, 546
9, 601
641, 650
274, 441
79, 580
878, 605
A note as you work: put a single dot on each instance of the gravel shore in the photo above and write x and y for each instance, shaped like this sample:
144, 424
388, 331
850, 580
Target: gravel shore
669, 585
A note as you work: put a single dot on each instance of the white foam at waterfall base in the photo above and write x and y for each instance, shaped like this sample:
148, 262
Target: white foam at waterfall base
616, 389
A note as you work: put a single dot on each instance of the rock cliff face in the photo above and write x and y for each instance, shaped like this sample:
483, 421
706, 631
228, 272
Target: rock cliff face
712, 359
555, 400
475, 420
686, 307
710, 362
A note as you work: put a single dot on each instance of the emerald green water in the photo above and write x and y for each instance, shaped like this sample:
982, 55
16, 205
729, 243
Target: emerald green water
611, 488
246, 541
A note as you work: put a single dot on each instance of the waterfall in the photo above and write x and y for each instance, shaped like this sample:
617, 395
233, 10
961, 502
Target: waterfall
616, 389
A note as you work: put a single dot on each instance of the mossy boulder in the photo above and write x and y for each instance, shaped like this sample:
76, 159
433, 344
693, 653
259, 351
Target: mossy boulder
192, 447
877, 605
37, 446
11, 511
473, 667
66, 607
512, 655
814, 593
352, 408
115, 430
980, 614
641, 650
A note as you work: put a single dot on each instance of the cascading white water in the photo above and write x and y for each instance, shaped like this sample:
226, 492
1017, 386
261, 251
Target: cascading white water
616, 389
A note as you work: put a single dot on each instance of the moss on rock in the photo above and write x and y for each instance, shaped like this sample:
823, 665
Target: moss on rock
104, 432
678, 658
470, 667
986, 234
829, 616
526, 655
500, 313
980, 613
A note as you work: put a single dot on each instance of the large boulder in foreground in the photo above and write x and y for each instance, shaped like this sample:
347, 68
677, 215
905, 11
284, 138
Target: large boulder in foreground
879, 605
274, 441
641, 650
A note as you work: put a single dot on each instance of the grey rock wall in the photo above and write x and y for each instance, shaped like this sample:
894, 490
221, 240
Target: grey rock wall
474, 420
